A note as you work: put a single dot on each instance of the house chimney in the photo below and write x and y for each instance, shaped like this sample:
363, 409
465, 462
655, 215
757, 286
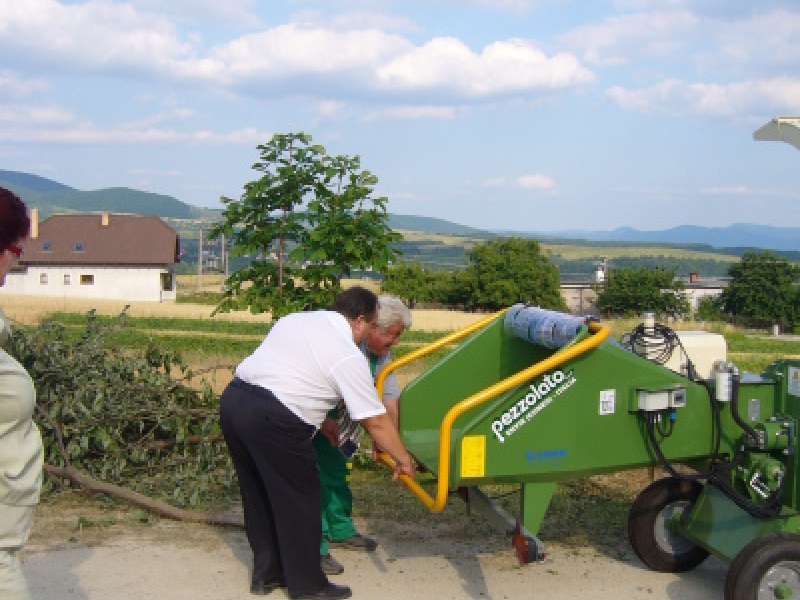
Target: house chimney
104, 219
34, 223
693, 277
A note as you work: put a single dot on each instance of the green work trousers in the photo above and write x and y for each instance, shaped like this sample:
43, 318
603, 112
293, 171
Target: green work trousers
337, 498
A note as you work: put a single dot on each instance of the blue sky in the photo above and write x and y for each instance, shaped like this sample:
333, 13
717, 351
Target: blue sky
528, 115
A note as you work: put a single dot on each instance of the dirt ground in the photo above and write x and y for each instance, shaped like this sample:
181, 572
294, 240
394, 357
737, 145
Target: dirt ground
88, 552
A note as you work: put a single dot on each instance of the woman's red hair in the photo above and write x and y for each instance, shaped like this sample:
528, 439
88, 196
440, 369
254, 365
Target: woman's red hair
14, 221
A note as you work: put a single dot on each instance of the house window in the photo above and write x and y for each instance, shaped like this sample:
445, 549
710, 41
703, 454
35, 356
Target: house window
166, 282
66, 279
47, 247
87, 279
78, 247
43, 278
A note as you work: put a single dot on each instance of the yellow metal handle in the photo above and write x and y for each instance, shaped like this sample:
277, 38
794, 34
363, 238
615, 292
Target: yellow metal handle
600, 333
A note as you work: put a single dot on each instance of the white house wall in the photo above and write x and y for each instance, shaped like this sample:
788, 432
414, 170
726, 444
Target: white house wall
109, 283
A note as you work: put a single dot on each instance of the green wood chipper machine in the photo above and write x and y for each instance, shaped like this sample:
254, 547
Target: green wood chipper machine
534, 397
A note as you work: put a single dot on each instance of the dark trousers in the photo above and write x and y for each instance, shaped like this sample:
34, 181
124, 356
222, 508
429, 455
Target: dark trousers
276, 466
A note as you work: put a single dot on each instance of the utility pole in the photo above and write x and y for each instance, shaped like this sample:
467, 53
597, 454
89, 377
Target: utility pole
200, 260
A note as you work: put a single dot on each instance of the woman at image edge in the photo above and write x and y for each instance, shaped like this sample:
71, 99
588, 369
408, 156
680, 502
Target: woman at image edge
21, 453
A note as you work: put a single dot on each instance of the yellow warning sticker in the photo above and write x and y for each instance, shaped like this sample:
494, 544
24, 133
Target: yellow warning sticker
473, 456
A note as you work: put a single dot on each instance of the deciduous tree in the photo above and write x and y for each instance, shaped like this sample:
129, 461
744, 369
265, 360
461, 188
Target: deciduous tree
763, 290
508, 270
634, 291
308, 221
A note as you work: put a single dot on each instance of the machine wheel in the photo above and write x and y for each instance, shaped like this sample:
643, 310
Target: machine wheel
766, 569
653, 542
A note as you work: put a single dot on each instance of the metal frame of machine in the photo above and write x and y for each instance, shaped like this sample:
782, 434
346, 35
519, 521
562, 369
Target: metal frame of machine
532, 397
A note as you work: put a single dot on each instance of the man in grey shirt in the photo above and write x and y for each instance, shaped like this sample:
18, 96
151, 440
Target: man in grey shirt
338, 529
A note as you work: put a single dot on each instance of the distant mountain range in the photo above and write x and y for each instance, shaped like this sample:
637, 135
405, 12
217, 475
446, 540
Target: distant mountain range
52, 197
736, 236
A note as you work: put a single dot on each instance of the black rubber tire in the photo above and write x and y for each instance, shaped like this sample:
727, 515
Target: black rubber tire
651, 541
767, 558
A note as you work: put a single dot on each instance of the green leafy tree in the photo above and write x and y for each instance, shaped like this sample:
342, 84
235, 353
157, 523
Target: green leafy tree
634, 291
410, 281
348, 228
265, 222
710, 309
763, 290
508, 270
308, 221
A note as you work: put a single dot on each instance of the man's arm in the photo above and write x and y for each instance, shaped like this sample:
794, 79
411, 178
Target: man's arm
393, 410
385, 434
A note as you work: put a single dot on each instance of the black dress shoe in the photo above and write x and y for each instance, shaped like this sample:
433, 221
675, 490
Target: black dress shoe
262, 588
330, 566
331, 592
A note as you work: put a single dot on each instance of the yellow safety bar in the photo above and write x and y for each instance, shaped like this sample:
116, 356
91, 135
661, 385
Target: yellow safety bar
600, 332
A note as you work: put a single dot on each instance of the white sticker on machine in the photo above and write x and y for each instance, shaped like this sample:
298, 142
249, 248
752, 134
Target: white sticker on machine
794, 381
608, 402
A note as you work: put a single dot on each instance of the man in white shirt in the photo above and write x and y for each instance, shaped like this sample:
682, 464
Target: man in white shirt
338, 529
269, 413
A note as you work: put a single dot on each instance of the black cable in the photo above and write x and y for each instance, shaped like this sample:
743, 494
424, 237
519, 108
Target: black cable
751, 433
670, 427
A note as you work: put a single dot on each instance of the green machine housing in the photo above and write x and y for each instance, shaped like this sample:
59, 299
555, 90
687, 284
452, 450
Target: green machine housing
513, 405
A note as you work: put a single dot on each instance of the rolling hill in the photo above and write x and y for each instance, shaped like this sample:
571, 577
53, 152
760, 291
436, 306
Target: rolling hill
53, 197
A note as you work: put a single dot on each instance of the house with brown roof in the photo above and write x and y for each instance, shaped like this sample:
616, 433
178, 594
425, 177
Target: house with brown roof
102, 256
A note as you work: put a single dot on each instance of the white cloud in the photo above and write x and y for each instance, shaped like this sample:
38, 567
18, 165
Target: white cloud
535, 182
625, 38
513, 66
295, 50
347, 58
89, 133
34, 115
763, 39
412, 112
13, 85
234, 12
355, 20
91, 36
722, 100
727, 190
513, 5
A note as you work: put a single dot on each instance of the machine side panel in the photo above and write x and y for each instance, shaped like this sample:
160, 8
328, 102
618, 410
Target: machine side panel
483, 359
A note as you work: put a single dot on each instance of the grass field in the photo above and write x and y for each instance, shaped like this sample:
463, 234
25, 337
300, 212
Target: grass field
569, 252
591, 510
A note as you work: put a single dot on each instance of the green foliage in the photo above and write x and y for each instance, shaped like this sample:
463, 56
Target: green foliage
265, 221
301, 256
709, 309
409, 281
633, 291
347, 228
508, 270
763, 290
127, 418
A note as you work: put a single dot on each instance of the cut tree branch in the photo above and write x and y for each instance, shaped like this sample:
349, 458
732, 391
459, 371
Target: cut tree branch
150, 504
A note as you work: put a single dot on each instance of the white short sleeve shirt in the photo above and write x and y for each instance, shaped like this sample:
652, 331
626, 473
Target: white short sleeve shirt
309, 361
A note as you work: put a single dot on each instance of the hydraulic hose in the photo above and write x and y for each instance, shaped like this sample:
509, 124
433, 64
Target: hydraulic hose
751, 433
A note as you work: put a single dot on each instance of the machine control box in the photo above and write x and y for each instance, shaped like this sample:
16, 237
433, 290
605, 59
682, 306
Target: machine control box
653, 400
